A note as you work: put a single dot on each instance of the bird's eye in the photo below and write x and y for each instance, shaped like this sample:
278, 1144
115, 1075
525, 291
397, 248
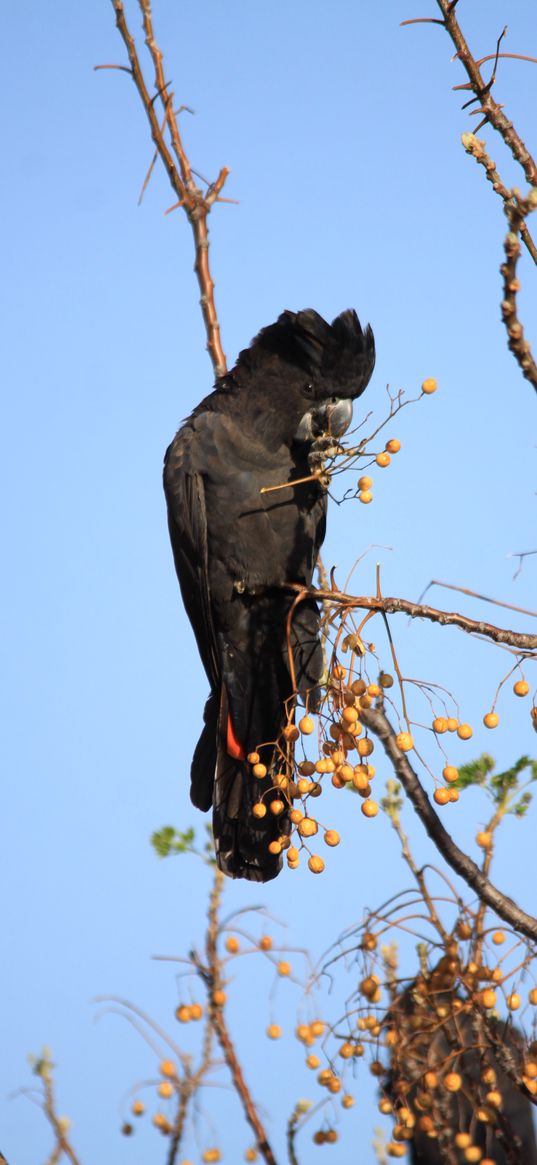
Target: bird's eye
307, 391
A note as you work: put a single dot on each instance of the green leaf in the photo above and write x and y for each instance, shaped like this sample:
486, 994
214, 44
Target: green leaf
169, 840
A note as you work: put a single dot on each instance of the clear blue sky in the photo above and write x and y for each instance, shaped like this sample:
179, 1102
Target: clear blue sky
343, 138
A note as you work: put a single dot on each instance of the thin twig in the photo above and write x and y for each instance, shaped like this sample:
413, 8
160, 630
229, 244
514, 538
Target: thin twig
59, 1127
476, 148
418, 875
436, 582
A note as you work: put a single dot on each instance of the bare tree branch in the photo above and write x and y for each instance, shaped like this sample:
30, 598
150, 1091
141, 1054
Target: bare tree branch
211, 974
523, 641
482, 90
376, 720
196, 204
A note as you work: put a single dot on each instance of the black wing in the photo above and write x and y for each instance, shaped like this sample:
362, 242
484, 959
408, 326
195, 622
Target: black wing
187, 521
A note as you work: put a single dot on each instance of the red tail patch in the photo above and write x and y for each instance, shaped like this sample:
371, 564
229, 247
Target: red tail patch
234, 747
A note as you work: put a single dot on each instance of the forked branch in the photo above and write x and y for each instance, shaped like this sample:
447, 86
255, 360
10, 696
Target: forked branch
195, 202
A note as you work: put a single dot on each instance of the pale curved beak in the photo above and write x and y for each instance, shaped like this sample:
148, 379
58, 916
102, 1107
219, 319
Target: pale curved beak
332, 418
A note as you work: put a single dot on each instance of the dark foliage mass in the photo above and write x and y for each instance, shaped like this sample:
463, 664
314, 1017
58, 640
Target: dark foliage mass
439, 1036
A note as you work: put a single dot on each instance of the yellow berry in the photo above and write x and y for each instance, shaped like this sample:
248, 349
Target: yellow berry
259, 771
365, 746
313, 1062
441, 795
487, 997
232, 944
365, 482
454, 794
533, 996
452, 1081
431, 1080
393, 445
347, 1101
452, 724
274, 1031
276, 807
331, 837
290, 732
275, 848
316, 864
484, 839
513, 1001
369, 808
450, 773
219, 998
284, 968
350, 714
365, 496
306, 725
167, 1068
160, 1122
491, 720
307, 827
464, 731
253, 758
429, 385
265, 942
440, 724
405, 741
498, 938
383, 459
317, 1028
138, 1107
165, 1089
462, 1140
183, 1013
521, 688
259, 810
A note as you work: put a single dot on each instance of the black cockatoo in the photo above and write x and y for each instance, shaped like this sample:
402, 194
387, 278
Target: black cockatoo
235, 548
